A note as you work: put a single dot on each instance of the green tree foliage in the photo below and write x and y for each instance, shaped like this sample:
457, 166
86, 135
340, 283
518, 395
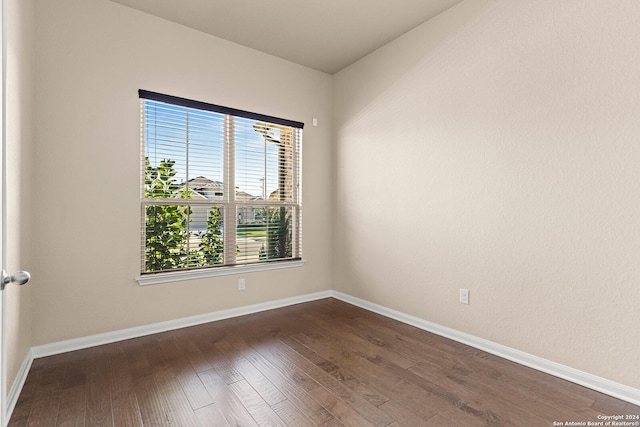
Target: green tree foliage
279, 234
211, 246
166, 226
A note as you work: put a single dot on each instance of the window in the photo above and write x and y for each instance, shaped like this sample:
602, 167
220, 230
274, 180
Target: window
219, 187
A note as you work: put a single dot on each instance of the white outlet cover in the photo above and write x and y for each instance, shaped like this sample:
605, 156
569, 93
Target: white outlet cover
464, 296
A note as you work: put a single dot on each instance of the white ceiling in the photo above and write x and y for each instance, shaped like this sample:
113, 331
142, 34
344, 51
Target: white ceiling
326, 35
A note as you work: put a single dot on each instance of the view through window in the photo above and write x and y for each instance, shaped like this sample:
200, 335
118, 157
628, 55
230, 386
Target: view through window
220, 186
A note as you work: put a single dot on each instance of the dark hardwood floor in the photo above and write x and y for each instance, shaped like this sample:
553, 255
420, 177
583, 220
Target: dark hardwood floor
324, 363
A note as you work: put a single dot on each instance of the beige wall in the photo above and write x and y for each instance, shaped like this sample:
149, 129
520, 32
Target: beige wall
92, 56
495, 148
20, 148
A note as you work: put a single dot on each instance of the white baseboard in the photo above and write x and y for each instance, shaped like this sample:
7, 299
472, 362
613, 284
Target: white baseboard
18, 384
603, 385
139, 331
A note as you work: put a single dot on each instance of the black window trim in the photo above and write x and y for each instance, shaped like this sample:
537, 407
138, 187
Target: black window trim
184, 102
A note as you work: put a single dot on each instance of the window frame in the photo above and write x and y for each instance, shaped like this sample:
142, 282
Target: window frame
229, 204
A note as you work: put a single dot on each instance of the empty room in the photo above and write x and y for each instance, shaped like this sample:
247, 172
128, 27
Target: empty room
330, 213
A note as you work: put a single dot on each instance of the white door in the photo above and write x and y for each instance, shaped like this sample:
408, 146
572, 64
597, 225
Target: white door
13, 278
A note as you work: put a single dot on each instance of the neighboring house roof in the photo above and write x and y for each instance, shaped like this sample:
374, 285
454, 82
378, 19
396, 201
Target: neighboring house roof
197, 195
202, 182
203, 187
244, 196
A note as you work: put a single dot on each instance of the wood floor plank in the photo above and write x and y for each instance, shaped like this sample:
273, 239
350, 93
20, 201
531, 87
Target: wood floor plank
398, 412
441, 420
179, 409
545, 385
46, 400
75, 372
373, 335
222, 362
344, 376
478, 397
525, 394
408, 394
631, 409
194, 355
299, 388
98, 397
334, 422
450, 398
44, 410
211, 416
124, 402
150, 402
265, 388
230, 406
290, 414
191, 384
428, 348
299, 396
342, 394
255, 405
339, 409
344, 332
20, 416
71, 412
322, 363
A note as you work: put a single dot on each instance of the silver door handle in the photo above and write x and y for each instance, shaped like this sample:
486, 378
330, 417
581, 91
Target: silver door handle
19, 278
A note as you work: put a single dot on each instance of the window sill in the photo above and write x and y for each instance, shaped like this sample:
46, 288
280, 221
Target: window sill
179, 276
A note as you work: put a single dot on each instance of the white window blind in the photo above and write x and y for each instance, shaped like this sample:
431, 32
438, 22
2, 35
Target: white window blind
219, 186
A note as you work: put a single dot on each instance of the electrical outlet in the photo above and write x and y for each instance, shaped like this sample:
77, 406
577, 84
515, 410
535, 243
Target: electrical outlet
241, 284
464, 296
